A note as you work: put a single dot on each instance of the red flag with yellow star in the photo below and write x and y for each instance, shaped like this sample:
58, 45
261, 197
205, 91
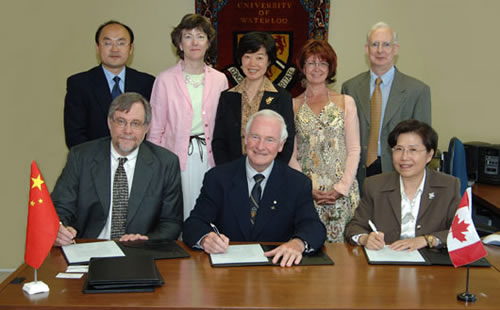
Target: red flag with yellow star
43, 222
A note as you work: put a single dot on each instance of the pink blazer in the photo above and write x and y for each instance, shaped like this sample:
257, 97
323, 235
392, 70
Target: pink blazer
173, 111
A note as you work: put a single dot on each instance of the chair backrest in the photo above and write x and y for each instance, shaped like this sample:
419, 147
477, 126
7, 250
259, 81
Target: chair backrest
456, 163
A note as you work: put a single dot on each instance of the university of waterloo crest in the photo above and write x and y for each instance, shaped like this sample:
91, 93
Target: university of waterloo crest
291, 23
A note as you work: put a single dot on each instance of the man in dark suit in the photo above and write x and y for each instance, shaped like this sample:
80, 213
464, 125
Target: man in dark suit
89, 94
120, 187
278, 208
402, 98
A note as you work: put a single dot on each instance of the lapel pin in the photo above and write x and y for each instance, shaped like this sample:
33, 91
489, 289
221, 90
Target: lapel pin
269, 100
432, 195
273, 207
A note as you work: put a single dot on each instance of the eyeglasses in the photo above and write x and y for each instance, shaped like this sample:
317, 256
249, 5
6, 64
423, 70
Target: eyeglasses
377, 44
190, 37
321, 64
119, 44
121, 123
412, 151
267, 140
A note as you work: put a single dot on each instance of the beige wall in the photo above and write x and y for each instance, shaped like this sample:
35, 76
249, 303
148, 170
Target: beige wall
452, 45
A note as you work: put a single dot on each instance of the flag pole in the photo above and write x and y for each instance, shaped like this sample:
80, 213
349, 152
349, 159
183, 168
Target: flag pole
36, 276
466, 296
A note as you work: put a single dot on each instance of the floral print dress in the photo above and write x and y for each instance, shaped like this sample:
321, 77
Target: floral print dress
321, 153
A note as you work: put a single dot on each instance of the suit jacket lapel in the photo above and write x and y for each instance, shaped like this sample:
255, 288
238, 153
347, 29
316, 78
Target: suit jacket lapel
363, 95
101, 175
239, 200
102, 93
143, 174
394, 196
427, 195
397, 97
270, 200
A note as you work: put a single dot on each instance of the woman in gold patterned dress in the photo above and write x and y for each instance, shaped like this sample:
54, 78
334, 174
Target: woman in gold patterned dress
327, 139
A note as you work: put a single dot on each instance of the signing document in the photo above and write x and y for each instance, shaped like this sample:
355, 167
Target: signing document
240, 254
386, 255
82, 252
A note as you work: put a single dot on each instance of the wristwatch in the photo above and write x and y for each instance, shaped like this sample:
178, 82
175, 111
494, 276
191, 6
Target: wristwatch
430, 240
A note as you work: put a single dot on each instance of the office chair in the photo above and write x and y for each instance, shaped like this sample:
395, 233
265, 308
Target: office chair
455, 164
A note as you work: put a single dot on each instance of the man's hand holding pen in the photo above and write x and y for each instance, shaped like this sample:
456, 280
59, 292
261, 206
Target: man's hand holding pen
65, 235
215, 242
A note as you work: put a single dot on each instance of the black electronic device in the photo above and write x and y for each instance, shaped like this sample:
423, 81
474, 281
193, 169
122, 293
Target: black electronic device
483, 162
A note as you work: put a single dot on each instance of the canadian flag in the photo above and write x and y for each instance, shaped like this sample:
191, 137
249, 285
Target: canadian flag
464, 245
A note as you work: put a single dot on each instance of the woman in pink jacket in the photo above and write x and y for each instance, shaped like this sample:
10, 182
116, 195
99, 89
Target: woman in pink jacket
184, 102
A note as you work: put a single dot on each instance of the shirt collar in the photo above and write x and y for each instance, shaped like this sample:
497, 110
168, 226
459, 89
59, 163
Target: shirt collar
131, 156
110, 76
420, 187
251, 171
386, 77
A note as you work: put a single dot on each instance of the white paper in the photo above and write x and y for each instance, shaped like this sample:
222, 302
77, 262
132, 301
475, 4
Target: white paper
82, 252
240, 254
78, 268
387, 255
62, 275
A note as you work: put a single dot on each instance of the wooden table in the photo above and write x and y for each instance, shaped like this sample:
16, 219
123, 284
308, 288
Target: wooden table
488, 196
192, 283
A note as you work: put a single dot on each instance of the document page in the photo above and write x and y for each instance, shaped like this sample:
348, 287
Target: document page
387, 255
240, 254
82, 252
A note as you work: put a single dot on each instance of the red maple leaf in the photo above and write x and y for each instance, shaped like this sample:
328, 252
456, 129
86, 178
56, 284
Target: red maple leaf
458, 230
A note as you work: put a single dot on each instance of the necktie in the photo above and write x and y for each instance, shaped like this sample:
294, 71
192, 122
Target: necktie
255, 197
115, 92
120, 201
375, 112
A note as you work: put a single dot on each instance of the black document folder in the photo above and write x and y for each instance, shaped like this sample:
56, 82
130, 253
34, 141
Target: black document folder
159, 249
441, 257
315, 258
122, 274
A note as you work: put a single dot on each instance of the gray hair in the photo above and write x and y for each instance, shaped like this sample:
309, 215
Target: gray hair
268, 114
382, 25
124, 102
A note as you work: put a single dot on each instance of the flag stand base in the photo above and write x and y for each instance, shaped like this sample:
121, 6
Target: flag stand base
467, 297
35, 287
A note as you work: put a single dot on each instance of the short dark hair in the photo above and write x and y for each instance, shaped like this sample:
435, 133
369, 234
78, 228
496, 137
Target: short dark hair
194, 21
323, 51
428, 135
113, 22
124, 102
251, 42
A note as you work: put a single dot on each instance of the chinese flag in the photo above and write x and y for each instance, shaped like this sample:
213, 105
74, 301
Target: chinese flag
464, 245
43, 222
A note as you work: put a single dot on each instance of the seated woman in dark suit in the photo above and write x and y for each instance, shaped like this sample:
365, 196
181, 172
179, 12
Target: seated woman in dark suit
412, 207
255, 54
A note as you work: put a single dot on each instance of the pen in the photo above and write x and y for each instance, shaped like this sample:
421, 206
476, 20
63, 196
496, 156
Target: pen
214, 228
72, 240
372, 226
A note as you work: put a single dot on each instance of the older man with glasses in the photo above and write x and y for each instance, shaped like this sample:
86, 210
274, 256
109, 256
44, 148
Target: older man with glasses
384, 97
120, 187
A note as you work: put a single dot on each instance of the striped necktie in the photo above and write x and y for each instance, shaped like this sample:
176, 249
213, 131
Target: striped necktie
120, 200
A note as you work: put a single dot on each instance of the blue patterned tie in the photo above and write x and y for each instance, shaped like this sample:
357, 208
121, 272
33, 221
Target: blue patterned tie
115, 92
120, 201
255, 197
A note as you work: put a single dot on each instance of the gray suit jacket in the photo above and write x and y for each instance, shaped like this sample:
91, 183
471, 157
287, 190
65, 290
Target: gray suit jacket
381, 203
409, 98
83, 191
